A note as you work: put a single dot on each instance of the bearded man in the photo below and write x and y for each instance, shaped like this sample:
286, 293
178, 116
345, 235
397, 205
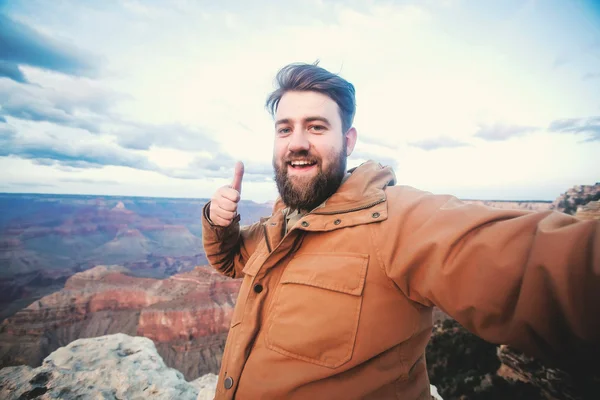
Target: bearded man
339, 283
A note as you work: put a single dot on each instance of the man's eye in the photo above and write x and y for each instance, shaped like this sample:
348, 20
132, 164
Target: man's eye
317, 128
284, 131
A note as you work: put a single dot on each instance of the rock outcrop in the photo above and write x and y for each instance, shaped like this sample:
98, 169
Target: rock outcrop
109, 367
553, 383
186, 315
576, 196
461, 365
589, 211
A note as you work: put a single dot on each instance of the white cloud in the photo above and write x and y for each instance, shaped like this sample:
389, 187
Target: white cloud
187, 80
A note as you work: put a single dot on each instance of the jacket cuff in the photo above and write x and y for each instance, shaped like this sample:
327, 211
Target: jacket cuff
206, 214
220, 231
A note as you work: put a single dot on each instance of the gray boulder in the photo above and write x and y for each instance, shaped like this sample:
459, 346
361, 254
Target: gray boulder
108, 367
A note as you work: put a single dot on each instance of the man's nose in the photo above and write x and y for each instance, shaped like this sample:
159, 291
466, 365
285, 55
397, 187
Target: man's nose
298, 141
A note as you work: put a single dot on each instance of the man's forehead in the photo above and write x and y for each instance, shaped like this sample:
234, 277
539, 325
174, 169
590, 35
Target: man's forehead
301, 105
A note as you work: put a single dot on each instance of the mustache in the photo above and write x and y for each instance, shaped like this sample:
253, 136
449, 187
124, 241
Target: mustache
303, 155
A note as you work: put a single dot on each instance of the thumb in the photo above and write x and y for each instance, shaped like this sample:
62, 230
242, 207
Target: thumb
237, 176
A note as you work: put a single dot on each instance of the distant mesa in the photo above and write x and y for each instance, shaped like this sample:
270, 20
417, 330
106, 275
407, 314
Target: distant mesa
99, 272
128, 232
119, 207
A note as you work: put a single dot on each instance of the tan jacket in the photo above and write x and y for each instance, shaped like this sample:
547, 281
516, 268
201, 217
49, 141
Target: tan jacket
341, 306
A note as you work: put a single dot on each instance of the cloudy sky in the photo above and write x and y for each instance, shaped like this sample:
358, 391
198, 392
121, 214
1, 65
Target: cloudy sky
480, 99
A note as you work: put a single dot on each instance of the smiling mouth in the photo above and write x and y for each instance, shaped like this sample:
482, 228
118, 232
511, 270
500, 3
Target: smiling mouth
300, 165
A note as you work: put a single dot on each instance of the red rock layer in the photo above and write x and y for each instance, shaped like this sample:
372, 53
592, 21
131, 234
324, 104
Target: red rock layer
186, 315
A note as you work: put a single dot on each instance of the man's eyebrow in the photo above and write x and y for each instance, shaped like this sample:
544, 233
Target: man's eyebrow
307, 119
322, 119
282, 121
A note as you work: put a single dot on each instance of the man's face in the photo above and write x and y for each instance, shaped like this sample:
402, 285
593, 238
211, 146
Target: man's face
310, 150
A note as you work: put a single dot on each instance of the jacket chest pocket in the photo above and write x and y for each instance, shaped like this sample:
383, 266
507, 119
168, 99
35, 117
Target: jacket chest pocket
316, 311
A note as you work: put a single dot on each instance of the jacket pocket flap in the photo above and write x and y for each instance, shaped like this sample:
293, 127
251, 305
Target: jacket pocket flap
340, 272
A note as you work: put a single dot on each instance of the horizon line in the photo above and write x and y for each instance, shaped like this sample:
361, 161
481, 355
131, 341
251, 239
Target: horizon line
206, 198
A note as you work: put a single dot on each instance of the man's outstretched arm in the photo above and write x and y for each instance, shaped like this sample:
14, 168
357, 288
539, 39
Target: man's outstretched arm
528, 279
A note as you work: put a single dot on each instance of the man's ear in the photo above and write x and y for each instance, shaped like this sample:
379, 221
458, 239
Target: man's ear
350, 140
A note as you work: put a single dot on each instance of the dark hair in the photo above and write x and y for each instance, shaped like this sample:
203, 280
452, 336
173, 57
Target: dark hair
311, 77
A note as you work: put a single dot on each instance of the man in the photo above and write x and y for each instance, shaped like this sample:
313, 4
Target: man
339, 283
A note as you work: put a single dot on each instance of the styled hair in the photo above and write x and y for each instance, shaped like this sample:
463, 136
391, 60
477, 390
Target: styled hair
311, 77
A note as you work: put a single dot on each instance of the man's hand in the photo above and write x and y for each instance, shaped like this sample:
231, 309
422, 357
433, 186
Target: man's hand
224, 203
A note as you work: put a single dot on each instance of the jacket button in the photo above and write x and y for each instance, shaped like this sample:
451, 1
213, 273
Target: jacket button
337, 222
304, 224
258, 288
375, 215
228, 382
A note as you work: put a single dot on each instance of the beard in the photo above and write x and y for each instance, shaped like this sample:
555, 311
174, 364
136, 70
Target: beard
307, 193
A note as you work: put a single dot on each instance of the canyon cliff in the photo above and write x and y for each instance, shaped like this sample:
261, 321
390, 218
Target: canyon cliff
187, 316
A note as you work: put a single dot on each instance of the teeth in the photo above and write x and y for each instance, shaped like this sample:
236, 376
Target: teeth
297, 163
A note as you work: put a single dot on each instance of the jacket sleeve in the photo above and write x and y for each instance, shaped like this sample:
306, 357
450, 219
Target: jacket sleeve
523, 278
229, 248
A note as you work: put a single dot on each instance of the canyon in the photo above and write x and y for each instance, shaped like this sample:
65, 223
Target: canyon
186, 315
45, 239
76, 267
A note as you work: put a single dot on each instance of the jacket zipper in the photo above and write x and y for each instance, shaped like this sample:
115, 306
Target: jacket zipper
267, 238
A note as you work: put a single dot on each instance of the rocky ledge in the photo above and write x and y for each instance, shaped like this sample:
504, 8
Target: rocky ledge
108, 367
463, 366
187, 316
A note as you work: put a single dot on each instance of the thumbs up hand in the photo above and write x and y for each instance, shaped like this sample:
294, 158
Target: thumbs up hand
224, 203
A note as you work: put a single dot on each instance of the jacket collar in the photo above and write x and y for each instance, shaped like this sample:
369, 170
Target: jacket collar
365, 187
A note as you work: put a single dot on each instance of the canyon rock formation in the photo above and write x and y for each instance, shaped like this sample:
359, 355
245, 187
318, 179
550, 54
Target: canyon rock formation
553, 383
186, 315
109, 367
461, 365
44, 239
576, 196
